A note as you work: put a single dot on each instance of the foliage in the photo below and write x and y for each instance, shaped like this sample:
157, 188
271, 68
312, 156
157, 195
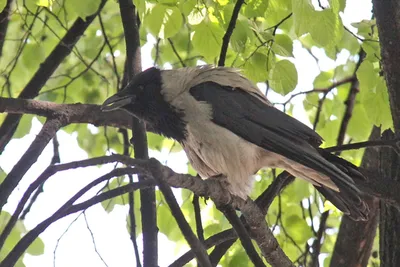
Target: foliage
187, 32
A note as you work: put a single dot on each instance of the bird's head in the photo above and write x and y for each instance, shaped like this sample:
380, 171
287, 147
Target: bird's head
140, 97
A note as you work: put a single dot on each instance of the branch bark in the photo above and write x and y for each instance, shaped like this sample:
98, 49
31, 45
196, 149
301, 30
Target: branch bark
387, 15
46, 69
359, 236
147, 196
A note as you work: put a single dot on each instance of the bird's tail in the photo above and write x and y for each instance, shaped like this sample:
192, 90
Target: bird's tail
347, 200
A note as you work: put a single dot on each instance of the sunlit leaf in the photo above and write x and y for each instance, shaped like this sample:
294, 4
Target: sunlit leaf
283, 77
283, 45
207, 39
36, 248
82, 8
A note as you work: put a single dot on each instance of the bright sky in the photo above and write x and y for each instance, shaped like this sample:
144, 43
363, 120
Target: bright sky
109, 230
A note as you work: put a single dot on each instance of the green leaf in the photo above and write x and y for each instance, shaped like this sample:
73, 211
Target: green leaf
297, 228
376, 104
82, 8
367, 76
283, 77
276, 11
256, 68
359, 126
167, 223
207, 39
108, 205
349, 42
239, 36
33, 55
36, 248
45, 3
154, 19
337, 5
326, 28
283, 45
255, 8
2, 175
3, 4
155, 141
374, 96
324, 79
172, 22
302, 16
24, 126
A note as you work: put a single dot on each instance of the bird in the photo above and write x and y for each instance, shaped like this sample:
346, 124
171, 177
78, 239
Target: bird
228, 128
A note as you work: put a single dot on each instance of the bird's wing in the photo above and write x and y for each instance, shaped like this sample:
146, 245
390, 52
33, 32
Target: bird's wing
267, 127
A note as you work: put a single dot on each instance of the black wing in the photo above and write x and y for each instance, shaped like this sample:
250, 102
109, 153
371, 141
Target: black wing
269, 128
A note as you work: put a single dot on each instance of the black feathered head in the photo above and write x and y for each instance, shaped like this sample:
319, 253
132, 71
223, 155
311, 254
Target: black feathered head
144, 99
140, 97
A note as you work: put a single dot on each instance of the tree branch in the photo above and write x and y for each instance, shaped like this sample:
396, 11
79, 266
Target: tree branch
4, 20
69, 208
55, 159
350, 101
197, 215
47, 132
229, 31
46, 69
244, 237
387, 19
147, 196
193, 241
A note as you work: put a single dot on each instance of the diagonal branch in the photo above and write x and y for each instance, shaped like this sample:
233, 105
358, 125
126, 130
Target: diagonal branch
46, 69
229, 31
47, 132
243, 235
69, 208
193, 241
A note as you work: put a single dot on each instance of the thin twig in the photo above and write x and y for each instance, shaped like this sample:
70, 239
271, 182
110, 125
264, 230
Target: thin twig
229, 31
55, 159
176, 52
197, 216
47, 132
244, 237
68, 208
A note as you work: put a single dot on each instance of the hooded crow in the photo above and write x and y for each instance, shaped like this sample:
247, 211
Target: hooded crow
228, 127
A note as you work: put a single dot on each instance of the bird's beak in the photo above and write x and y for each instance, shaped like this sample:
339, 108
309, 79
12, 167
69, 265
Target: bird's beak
115, 102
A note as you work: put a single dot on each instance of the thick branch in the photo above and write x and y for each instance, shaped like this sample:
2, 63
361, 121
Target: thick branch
147, 196
74, 113
47, 132
46, 69
387, 15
